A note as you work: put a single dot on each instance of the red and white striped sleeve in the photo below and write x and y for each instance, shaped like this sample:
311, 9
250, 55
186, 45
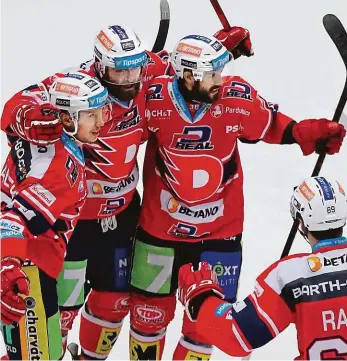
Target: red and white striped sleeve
239, 328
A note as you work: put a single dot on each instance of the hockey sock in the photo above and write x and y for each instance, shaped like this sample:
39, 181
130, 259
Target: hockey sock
67, 318
188, 349
97, 336
146, 347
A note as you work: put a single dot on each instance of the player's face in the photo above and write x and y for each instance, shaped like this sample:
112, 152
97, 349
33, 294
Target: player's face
207, 89
89, 124
124, 84
210, 84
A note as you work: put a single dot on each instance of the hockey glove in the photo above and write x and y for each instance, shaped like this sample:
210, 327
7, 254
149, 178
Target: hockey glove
237, 40
39, 123
13, 281
195, 286
309, 131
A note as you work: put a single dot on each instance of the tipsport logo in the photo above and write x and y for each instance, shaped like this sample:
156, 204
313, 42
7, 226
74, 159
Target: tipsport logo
221, 61
130, 61
98, 100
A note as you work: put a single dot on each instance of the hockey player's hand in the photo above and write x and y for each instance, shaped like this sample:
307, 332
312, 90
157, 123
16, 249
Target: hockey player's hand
13, 281
309, 131
195, 286
237, 40
40, 123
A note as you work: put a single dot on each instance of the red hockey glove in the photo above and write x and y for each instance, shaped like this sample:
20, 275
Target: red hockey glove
309, 131
13, 281
237, 40
195, 286
40, 123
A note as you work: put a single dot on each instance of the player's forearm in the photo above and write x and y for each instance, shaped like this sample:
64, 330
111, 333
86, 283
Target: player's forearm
280, 131
214, 324
13, 237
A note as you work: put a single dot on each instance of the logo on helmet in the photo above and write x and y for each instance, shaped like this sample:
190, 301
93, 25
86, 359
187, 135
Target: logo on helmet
189, 49
62, 102
120, 32
221, 61
105, 41
130, 61
189, 64
306, 191
205, 39
217, 45
67, 88
128, 45
91, 83
98, 100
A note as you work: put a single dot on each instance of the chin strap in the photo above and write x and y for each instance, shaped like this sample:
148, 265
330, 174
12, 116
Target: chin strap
304, 234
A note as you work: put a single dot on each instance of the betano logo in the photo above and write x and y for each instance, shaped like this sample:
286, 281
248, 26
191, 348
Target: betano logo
314, 263
306, 191
173, 205
97, 188
189, 49
105, 41
67, 88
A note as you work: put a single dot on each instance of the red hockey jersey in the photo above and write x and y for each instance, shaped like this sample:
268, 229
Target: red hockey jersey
308, 290
111, 166
193, 181
43, 189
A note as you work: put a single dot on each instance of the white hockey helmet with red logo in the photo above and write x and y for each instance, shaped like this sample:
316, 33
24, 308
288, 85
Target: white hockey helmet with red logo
321, 203
199, 54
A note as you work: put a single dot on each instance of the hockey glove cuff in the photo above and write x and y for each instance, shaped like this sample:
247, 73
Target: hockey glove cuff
195, 286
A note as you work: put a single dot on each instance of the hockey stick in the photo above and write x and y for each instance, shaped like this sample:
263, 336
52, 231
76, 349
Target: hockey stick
220, 13
163, 26
223, 19
338, 35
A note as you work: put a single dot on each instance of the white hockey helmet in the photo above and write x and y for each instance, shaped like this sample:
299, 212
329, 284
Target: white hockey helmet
200, 54
321, 202
77, 91
118, 47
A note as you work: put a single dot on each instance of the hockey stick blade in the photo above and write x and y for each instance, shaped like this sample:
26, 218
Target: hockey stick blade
338, 35
163, 27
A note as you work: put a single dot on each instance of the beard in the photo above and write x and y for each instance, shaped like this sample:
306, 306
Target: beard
124, 93
198, 94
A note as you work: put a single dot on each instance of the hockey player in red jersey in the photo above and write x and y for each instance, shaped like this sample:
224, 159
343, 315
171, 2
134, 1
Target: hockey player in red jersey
100, 246
308, 290
43, 188
192, 208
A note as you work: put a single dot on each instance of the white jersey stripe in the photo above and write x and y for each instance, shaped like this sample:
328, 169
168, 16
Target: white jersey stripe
239, 338
265, 315
295, 268
41, 207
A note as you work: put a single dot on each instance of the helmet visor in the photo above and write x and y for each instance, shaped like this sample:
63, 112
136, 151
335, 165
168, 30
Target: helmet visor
124, 76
